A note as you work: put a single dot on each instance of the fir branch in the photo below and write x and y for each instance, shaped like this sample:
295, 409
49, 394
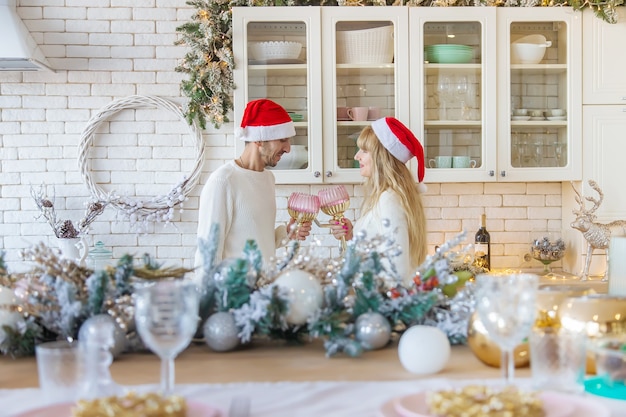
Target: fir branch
122, 275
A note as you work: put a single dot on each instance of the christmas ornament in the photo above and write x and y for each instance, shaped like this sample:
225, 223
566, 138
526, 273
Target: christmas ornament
220, 332
423, 350
97, 329
305, 294
487, 350
372, 330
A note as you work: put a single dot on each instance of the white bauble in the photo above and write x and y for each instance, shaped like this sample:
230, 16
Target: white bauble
424, 350
305, 294
8, 298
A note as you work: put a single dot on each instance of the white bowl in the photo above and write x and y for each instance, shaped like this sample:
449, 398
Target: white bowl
527, 53
265, 51
295, 159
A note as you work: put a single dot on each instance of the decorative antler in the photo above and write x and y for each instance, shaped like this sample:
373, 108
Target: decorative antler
581, 201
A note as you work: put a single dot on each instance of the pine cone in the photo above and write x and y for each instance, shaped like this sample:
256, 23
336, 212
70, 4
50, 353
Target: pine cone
67, 230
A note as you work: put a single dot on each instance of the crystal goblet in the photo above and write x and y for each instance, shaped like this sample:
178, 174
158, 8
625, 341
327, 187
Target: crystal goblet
303, 208
334, 202
506, 304
166, 316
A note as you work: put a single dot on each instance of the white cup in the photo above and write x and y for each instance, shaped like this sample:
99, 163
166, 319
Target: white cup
520, 112
60, 370
440, 162
557, 112
536, 113
358, 114
463, 162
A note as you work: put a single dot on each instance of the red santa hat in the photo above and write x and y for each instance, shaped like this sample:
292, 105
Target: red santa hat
401, 143
265, 120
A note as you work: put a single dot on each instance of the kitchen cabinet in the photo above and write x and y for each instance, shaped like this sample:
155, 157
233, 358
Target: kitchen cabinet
459, 108
604, 124
604, 61
316, 85
475, 116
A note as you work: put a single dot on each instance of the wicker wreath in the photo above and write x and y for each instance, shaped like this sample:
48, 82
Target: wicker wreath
137, 211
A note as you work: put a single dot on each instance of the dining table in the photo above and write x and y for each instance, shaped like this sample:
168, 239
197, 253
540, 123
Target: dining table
287, 379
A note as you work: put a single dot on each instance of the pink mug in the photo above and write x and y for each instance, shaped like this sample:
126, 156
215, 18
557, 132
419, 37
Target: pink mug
373, 113
358, 114
342, 113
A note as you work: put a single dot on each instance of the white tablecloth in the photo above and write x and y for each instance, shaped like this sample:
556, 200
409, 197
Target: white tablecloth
292, 399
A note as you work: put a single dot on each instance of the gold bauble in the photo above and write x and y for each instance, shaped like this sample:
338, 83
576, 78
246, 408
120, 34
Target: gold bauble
550, 297
596, 314
487, 350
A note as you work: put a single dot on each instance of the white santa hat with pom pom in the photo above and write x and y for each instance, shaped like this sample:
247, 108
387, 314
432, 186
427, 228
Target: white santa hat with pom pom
402, 144
265, 120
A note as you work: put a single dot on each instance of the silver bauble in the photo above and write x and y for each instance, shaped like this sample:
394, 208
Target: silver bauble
372, 330
220, 332
103, 330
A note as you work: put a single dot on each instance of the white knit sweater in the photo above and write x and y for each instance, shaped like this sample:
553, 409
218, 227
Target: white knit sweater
389, 207
243, 203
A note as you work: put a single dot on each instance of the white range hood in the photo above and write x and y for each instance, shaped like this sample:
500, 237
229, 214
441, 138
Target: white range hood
18, 50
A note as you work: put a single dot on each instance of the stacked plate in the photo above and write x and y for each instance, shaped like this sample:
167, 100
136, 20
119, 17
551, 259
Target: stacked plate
448, 53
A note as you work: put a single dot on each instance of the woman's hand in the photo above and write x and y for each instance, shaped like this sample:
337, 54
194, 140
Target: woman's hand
298, 232
342, 228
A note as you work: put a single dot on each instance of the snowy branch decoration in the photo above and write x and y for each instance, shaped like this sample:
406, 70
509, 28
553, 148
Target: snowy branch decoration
65, 228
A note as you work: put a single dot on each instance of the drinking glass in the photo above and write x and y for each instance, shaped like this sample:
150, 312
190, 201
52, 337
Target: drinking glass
506, 304
444, 90
166, 316
558, 153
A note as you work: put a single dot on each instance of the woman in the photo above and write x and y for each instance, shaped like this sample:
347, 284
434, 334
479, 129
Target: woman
392, 201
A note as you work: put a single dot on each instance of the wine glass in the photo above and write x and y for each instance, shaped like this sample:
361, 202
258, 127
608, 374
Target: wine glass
334, 202
444, 90
166, 316
558, 152
506, 306
462, 88
303, 208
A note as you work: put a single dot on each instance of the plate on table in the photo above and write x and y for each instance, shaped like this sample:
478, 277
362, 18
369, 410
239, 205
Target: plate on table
194, 409
520, 118
554, 118
597, 386
538, 118
555, 405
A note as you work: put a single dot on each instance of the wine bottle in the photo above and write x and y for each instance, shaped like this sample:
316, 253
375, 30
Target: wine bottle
482, 245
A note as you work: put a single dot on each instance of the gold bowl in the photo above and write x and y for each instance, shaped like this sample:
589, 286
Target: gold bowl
488, 351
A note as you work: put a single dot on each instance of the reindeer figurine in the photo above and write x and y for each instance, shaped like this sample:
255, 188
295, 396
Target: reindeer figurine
598, 235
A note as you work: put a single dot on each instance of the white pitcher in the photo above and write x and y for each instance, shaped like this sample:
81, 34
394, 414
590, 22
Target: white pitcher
73, 248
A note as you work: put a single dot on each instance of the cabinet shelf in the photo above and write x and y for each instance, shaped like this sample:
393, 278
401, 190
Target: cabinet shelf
365, 69
538, 68
278, 68
436, 68
453, 124
558, 123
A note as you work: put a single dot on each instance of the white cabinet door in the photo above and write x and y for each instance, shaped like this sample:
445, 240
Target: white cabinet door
604, 60
295, 82
539, 72
453, 93
365, 65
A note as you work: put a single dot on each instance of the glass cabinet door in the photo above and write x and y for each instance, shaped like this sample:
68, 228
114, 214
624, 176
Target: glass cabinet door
277, 52
540, 140
365, 69
453, 56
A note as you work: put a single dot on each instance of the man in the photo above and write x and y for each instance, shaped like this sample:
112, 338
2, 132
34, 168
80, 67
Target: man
240, 196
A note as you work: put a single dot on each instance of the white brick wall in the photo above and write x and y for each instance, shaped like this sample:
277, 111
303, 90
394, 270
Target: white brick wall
105, 50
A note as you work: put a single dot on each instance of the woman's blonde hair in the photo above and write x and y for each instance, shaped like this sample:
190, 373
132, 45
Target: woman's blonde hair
388, 173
